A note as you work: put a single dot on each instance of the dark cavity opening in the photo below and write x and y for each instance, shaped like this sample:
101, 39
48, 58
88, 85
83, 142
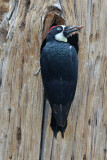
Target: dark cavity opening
28, 3
43, 44
73, 41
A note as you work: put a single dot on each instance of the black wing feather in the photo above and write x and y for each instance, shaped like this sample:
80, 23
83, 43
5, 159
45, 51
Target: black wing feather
59, 69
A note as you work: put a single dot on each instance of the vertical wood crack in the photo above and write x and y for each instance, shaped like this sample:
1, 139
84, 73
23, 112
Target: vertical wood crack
42, 130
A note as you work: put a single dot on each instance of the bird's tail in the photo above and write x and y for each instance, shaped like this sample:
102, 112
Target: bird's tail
57, 128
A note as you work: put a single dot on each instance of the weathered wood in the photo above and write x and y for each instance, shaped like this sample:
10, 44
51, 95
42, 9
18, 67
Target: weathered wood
25, 132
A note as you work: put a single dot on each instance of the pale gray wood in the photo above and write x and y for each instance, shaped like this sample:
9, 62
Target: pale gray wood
25, 132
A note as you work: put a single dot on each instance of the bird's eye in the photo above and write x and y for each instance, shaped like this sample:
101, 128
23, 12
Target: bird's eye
59, 28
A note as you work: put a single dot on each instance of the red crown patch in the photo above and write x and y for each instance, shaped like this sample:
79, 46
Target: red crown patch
51, 28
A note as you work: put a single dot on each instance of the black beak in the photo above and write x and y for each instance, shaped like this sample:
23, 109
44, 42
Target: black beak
69, 30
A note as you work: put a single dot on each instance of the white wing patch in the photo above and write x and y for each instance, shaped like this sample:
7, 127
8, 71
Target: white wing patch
70, 47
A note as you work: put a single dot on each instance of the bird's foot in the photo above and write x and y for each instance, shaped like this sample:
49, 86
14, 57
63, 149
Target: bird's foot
37, 72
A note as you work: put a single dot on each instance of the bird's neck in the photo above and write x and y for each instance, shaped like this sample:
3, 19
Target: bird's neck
57, 38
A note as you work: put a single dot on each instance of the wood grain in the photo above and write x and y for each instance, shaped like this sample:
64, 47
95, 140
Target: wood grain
25, 132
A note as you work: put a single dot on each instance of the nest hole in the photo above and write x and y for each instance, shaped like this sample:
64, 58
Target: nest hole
57, 20
43, 44
73, 41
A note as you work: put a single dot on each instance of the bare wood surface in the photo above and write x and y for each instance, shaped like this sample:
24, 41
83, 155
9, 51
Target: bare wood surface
25, 132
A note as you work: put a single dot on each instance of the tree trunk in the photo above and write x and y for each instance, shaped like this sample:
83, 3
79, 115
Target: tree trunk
25, 132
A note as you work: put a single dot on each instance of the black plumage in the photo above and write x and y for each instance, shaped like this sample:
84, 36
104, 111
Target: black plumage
59, 70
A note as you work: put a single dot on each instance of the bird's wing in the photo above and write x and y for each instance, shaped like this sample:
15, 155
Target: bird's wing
59, 84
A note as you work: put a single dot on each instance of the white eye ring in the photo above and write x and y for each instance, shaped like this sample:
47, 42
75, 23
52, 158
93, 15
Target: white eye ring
59, 28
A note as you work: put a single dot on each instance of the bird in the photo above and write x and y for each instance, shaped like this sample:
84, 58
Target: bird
59, 72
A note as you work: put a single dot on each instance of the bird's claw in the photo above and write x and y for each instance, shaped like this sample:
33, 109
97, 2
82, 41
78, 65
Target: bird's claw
37, 72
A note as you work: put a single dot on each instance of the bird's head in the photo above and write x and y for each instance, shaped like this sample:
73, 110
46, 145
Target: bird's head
61, 32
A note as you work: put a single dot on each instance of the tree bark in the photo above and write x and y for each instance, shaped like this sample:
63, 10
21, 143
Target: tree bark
25, 132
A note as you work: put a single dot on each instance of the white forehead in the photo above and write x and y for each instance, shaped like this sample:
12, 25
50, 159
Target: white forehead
63, 26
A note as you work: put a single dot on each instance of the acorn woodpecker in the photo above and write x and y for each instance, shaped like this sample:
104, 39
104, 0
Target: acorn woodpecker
59, 70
